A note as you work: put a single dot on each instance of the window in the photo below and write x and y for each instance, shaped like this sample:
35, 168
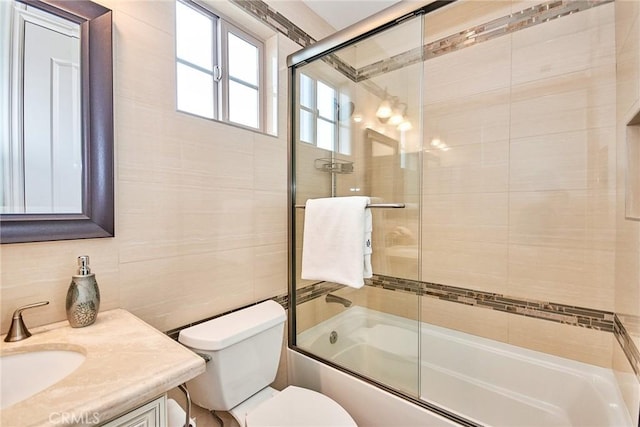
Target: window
219, 69
319, 115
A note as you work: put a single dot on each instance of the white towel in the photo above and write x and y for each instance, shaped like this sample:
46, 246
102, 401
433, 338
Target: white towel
336, 232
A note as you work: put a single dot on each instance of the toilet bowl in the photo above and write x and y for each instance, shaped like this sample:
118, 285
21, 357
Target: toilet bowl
297, 407
244, 350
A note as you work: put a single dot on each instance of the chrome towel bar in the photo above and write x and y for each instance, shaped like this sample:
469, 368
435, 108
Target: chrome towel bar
372, 205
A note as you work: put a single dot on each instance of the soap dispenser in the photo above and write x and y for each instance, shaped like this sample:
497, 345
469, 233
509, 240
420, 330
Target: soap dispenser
83, 296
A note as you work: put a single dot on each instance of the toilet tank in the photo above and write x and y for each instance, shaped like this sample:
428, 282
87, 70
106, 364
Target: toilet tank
244, 347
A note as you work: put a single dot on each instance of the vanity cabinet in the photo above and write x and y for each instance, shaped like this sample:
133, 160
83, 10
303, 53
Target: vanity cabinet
152, 414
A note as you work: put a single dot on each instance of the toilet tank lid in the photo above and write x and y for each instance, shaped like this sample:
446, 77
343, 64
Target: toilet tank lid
223, 331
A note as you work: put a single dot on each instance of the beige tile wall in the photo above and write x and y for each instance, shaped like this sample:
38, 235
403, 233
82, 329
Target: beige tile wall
200, 206
522, 199
536, 157
585, 345
628, 90
627, 261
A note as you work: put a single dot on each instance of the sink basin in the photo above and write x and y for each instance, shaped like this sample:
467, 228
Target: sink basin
25, 374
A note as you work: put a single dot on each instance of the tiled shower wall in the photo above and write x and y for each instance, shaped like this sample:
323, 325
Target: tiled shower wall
522, 199
526, 198
627, 266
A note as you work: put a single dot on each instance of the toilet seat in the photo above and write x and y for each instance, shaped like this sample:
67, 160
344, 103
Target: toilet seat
299, 407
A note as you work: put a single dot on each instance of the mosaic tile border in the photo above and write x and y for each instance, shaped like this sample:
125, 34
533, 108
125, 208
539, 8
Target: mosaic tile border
493, 29
272, 18
628, 346
520, 20
560, 313
278, 22
601, 320
526, 18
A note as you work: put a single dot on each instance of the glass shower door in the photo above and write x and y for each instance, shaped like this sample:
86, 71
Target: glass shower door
357, 132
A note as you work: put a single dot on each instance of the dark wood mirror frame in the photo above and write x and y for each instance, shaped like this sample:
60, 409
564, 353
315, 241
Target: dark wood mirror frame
96, 53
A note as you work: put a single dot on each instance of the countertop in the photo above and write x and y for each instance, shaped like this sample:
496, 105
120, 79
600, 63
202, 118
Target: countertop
127, 363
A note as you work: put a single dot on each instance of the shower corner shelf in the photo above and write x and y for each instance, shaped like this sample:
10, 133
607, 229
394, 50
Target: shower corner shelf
333, 165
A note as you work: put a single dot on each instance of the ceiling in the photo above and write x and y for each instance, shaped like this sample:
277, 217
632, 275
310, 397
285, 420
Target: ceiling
342, 13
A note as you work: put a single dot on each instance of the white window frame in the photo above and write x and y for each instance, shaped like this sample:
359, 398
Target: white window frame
219, 71
225, 29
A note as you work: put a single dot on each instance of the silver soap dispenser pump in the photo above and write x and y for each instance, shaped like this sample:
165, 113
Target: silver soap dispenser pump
83, 296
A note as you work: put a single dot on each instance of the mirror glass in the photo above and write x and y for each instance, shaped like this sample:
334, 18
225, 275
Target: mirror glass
42, 154
56, 120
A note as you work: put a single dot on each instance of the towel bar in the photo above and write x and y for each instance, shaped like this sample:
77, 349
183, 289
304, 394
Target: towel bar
373, 205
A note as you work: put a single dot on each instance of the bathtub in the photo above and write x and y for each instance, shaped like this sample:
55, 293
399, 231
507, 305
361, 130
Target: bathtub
484, 381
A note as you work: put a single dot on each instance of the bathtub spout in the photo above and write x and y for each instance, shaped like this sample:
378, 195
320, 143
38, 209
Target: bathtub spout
335, 298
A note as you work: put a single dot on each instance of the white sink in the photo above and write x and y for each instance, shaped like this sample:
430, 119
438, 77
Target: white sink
25, 374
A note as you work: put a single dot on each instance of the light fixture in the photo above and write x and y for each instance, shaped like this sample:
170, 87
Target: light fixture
357, 117
405, 125
384, 110
437, 143
398, 113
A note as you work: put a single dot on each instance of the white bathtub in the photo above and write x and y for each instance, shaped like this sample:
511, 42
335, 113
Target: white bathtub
486, 381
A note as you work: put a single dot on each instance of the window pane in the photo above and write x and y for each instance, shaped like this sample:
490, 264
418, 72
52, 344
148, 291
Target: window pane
243, 104
306, 126
306, 91
345, 140
195, 91
243, 60
194, 36
326, 101
325, 134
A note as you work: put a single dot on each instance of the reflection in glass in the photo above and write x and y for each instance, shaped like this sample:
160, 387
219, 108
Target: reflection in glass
306, 91
42, 152
306, 126
326, 101
325, 134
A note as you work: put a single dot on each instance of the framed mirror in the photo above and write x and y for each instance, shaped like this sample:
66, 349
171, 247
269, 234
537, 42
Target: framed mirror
82, 204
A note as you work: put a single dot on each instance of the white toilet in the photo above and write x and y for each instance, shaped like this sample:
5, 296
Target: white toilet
244, 347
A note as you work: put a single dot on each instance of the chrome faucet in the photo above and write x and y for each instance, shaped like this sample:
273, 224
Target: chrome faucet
335, 298
18, 330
